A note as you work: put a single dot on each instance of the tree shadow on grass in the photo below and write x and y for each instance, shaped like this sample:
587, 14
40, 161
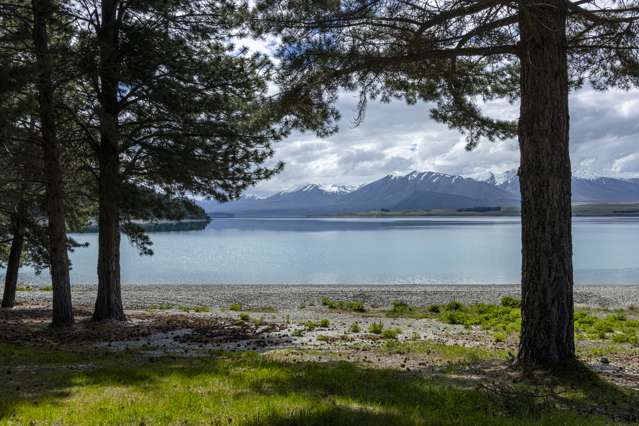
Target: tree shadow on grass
331, 393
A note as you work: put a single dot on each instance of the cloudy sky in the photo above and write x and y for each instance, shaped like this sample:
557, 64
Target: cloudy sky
397, 137
400, 138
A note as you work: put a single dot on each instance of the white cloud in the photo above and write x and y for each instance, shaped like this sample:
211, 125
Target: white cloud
399, 137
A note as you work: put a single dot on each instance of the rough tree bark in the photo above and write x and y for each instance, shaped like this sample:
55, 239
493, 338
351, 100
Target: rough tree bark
13, 264
108, 305
547, 334
58, 257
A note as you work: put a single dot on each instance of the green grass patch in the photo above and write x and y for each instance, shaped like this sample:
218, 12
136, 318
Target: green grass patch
619, 326
196, 309
376, 327
236, 307
391, 333
441, 352
252, 389
161, 307
354, 328
344, 305
311, 325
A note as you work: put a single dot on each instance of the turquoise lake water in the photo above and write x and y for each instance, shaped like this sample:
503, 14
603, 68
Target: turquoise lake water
361, 251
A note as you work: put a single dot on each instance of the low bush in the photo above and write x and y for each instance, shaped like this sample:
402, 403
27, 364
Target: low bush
391, 333
344, 305
376, 328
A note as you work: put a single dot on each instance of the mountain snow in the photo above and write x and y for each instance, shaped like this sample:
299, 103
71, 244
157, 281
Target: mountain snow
420, 190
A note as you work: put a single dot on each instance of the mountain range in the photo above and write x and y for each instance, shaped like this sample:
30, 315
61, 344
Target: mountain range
417, 191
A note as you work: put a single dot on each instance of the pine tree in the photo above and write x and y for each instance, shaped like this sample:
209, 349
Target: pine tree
452, 53
171, 107
32, 205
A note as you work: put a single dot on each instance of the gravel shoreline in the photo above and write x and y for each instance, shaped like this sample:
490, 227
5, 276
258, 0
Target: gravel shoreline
292, 296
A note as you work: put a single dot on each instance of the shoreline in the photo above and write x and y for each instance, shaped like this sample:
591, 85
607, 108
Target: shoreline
291, 296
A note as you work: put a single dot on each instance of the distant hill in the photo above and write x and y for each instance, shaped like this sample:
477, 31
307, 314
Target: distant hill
416, 191
591, 189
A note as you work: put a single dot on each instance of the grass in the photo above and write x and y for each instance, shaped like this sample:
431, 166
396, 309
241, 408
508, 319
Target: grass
161, 307
196, 309
391, 333
311, 325
442, 353
376, 327
251, 389
236, 307
619, 326
355, 328
26, 288
344, 305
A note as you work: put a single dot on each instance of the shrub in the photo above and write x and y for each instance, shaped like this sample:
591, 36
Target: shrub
344, 305
161, 306
355, 328
324, 323
310, 325
453, 317
400, 307
376, 328
435, 309
245, 317
454, 306
235, 307
499, 337
194, 308
510, 302
391, 333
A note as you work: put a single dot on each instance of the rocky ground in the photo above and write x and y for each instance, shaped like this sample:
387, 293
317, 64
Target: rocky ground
292, 296
291, 321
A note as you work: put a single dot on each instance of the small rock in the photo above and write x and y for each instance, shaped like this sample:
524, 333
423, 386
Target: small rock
604, 360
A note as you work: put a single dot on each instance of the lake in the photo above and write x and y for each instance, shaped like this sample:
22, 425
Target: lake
361, 251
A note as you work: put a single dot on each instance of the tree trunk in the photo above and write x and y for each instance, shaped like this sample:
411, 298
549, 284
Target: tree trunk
547, 334
13, 265
108, 305
58, 257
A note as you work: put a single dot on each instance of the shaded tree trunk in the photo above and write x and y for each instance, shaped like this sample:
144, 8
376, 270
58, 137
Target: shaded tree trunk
108, 305
58, 257
547, 334
13, 264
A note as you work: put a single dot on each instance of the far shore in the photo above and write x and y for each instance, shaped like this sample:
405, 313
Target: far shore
293, 296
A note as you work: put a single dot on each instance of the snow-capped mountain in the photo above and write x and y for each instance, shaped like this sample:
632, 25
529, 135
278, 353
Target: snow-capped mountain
587, 187
418, 191
423, 189
415, 190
